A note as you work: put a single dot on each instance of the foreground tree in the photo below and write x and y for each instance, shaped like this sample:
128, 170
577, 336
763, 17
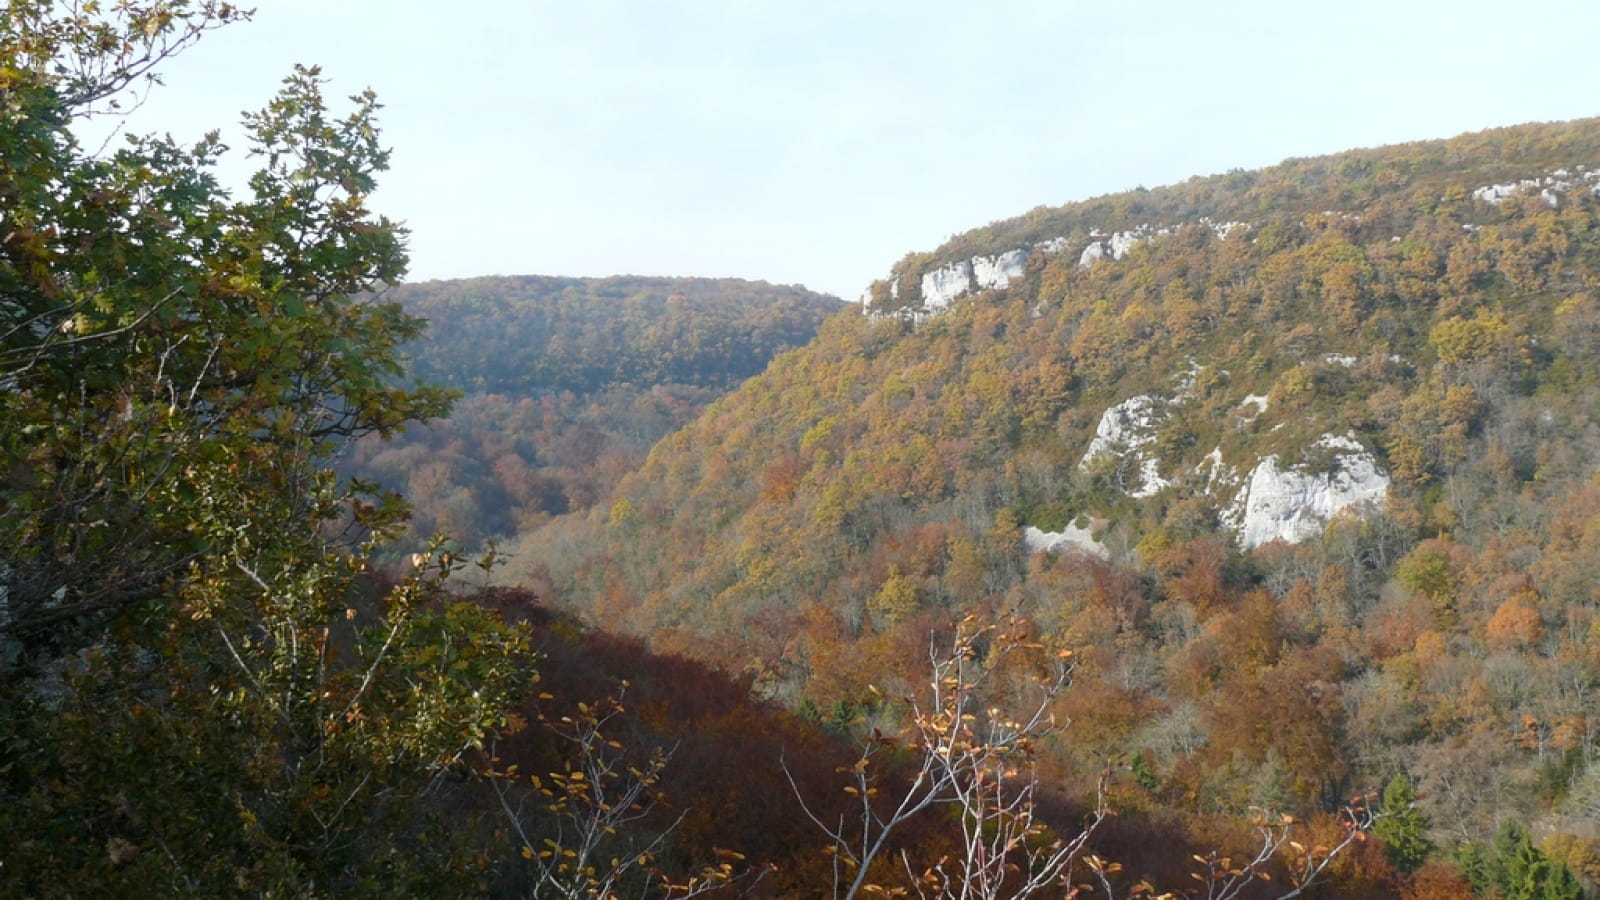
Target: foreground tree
200, 691
169, 354
582, 830
969, 744
981, 764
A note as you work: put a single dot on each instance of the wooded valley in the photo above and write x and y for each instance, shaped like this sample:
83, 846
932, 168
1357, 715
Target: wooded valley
1238, 538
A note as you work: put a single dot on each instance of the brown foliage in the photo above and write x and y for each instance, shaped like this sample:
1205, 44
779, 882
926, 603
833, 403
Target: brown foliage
1293, 709
1437, 881
1514, 626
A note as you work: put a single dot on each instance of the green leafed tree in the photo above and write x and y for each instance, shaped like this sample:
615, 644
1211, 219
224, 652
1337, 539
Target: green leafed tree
1512, 867
166, 345
1526, 873
201, 693
1401, 826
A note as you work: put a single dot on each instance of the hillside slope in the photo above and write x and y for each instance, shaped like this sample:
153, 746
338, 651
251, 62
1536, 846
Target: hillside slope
566, 383
540, 334
1347, 479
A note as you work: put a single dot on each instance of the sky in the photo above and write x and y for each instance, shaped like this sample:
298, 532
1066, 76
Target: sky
817, 143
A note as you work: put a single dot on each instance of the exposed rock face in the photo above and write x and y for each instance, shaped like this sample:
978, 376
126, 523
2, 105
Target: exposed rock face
1273, 502
1126, 429
866, 295
1096, 251
941, 286
945, 284
1117, 245
1222, 229
1550, 186
1070, 538
997, 271
1293, 504
1216, 470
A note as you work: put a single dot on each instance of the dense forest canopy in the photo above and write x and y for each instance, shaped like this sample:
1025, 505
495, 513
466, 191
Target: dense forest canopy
566, 383
1435, 305
535, 335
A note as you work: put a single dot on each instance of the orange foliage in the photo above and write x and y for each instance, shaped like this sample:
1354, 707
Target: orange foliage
1361, 871
782, 479
1194, 573
1514, 626
715, 728
1102, 715
1292, 708
1437, 881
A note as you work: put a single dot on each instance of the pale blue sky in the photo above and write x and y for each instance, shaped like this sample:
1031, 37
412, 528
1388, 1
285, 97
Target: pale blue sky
816, 143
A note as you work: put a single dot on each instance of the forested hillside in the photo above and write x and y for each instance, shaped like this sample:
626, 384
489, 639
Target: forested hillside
566, 384
1239, 539
1421, 322
537, 335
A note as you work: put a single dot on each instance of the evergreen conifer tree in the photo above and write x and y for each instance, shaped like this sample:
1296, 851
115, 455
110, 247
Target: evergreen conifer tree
1402, 827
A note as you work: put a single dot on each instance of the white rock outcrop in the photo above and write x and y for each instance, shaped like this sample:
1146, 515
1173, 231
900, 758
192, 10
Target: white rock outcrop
1119, 244
1216, 471
944, 284
941, 286
997, 271
1116, 245
1550, 186
1271, 502
1293, 504
1222, 229
1096, 251
866, 295
1070, 537
1126, 429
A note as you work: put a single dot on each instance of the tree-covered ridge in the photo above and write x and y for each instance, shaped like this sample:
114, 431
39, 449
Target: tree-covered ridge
567, 383
1390, 187
811, 525
534, 335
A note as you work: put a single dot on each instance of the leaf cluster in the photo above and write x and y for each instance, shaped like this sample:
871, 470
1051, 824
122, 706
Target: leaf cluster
204, 693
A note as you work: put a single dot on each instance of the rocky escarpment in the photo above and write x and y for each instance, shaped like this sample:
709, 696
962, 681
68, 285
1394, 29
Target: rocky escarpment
1273, 499
1261, 497
941, 285
1296, 502
1550, 186
1127, 431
